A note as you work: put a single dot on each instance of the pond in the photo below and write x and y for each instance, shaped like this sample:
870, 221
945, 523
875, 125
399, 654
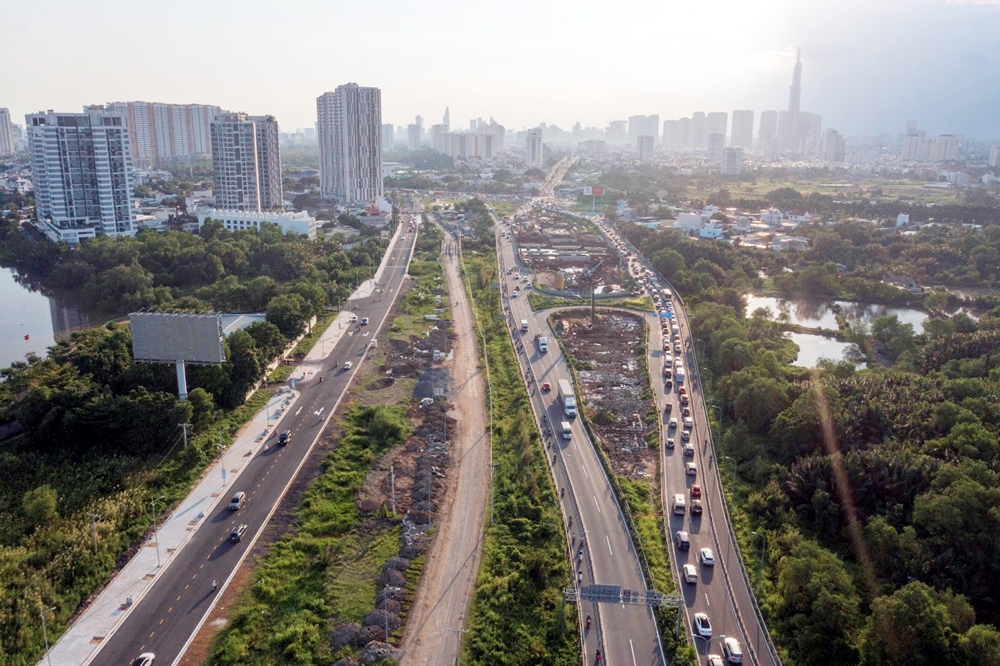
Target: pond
813, 347
33, 321
820, 314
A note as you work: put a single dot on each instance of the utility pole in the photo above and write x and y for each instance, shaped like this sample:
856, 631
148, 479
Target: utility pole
93, 525
42, 612
392, 486
185, 427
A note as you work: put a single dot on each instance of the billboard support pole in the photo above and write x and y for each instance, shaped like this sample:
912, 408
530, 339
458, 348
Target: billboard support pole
182, 388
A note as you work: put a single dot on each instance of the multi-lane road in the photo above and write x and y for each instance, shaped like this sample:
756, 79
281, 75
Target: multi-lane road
722, 591
172, 610
602, 549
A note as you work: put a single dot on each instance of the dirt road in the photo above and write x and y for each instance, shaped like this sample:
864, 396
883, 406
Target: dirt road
438, 613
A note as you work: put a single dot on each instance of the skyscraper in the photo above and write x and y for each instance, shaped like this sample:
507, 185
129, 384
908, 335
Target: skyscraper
645, 146
833, 146
388, 140
742, 134
447, 119
716, 122
732, 161
6, 136
81, 165
671, 138
699, 130
350, 143
716, 142
533, 148
167, 133
643, 126
246, 164
795, 92
414, 132
768, 127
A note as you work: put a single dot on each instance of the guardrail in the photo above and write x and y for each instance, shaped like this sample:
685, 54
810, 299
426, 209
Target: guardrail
772, 651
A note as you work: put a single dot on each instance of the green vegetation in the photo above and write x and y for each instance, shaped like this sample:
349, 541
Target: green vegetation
877, 491
518, 615
324, 571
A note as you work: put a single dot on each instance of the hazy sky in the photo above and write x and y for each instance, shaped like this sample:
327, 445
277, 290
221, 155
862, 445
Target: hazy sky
868, 65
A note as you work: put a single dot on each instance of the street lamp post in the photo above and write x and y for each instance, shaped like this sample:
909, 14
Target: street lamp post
45, 634
156, 536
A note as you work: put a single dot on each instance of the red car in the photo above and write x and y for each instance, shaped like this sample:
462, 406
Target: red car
695, 491
546, 387
682, 390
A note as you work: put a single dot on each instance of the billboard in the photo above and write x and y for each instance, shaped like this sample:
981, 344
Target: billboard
166, 338
588, 191
597, 191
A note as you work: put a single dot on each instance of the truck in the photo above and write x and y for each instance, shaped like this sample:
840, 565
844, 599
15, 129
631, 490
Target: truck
524, 325
543, 344
567, 397
679, 374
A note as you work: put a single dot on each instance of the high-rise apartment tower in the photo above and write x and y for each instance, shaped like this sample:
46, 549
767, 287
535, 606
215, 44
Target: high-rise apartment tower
350, 143
246, 163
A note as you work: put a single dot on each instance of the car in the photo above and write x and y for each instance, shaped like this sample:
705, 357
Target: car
691, 469
685, 400
696, 507
688, 449
670, 442
514, 295
682, 540
731, 650
354, 319
668, 373
348, 365
695, 491
714, 660
283, 438
707, 557
682, 390
237, 533
144, 659
239, 499
686, 435
668, 384
686, 412
546, 387
690, 573
673, 424
677, 348
688, 422
702, 625
364, 321
668, 408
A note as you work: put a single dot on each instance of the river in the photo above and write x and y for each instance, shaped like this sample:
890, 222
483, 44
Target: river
33, 321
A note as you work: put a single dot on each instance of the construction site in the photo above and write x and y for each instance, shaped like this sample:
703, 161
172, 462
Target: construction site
614, 387
565, 255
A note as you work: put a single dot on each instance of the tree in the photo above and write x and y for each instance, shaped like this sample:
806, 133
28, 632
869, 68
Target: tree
668, 262
287, 312
895, 336
39, 505
203, 408
817, 605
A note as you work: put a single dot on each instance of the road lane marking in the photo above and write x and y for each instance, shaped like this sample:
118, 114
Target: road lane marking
297, 413
609, 545
632, 647
585, 472
161, 620
707, 600
596, 504
171, 609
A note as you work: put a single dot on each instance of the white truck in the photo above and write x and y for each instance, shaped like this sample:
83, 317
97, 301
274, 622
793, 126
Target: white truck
567, 397
543, 344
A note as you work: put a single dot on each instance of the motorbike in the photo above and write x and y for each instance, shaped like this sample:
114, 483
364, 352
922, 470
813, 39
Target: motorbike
588, 623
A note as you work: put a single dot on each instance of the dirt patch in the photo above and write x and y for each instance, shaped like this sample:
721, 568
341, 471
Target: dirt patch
615, 393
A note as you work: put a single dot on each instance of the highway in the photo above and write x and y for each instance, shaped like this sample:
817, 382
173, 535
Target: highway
723, 590
601, 546
170, 613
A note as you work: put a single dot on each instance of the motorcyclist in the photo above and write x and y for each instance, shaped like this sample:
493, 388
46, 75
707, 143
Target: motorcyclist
588, 622
215, 584
598, 655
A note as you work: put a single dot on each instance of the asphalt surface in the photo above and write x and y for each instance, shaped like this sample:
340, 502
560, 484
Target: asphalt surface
172, 610
625, 634
723, 590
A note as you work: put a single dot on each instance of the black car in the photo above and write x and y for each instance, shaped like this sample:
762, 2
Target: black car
283, 438
237, 533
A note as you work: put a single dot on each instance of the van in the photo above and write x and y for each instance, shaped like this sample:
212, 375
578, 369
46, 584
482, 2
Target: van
524, 325
679, 505
567, 430
543, 344
732, 651
239, 499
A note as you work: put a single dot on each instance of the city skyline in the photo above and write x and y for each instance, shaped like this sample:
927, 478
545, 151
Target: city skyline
869, 68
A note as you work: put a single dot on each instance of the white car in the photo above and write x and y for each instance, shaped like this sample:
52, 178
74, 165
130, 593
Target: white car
688, 422
690, 573
691, 469
354, 319
688, 449
348, 365
702, 625
707, 557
